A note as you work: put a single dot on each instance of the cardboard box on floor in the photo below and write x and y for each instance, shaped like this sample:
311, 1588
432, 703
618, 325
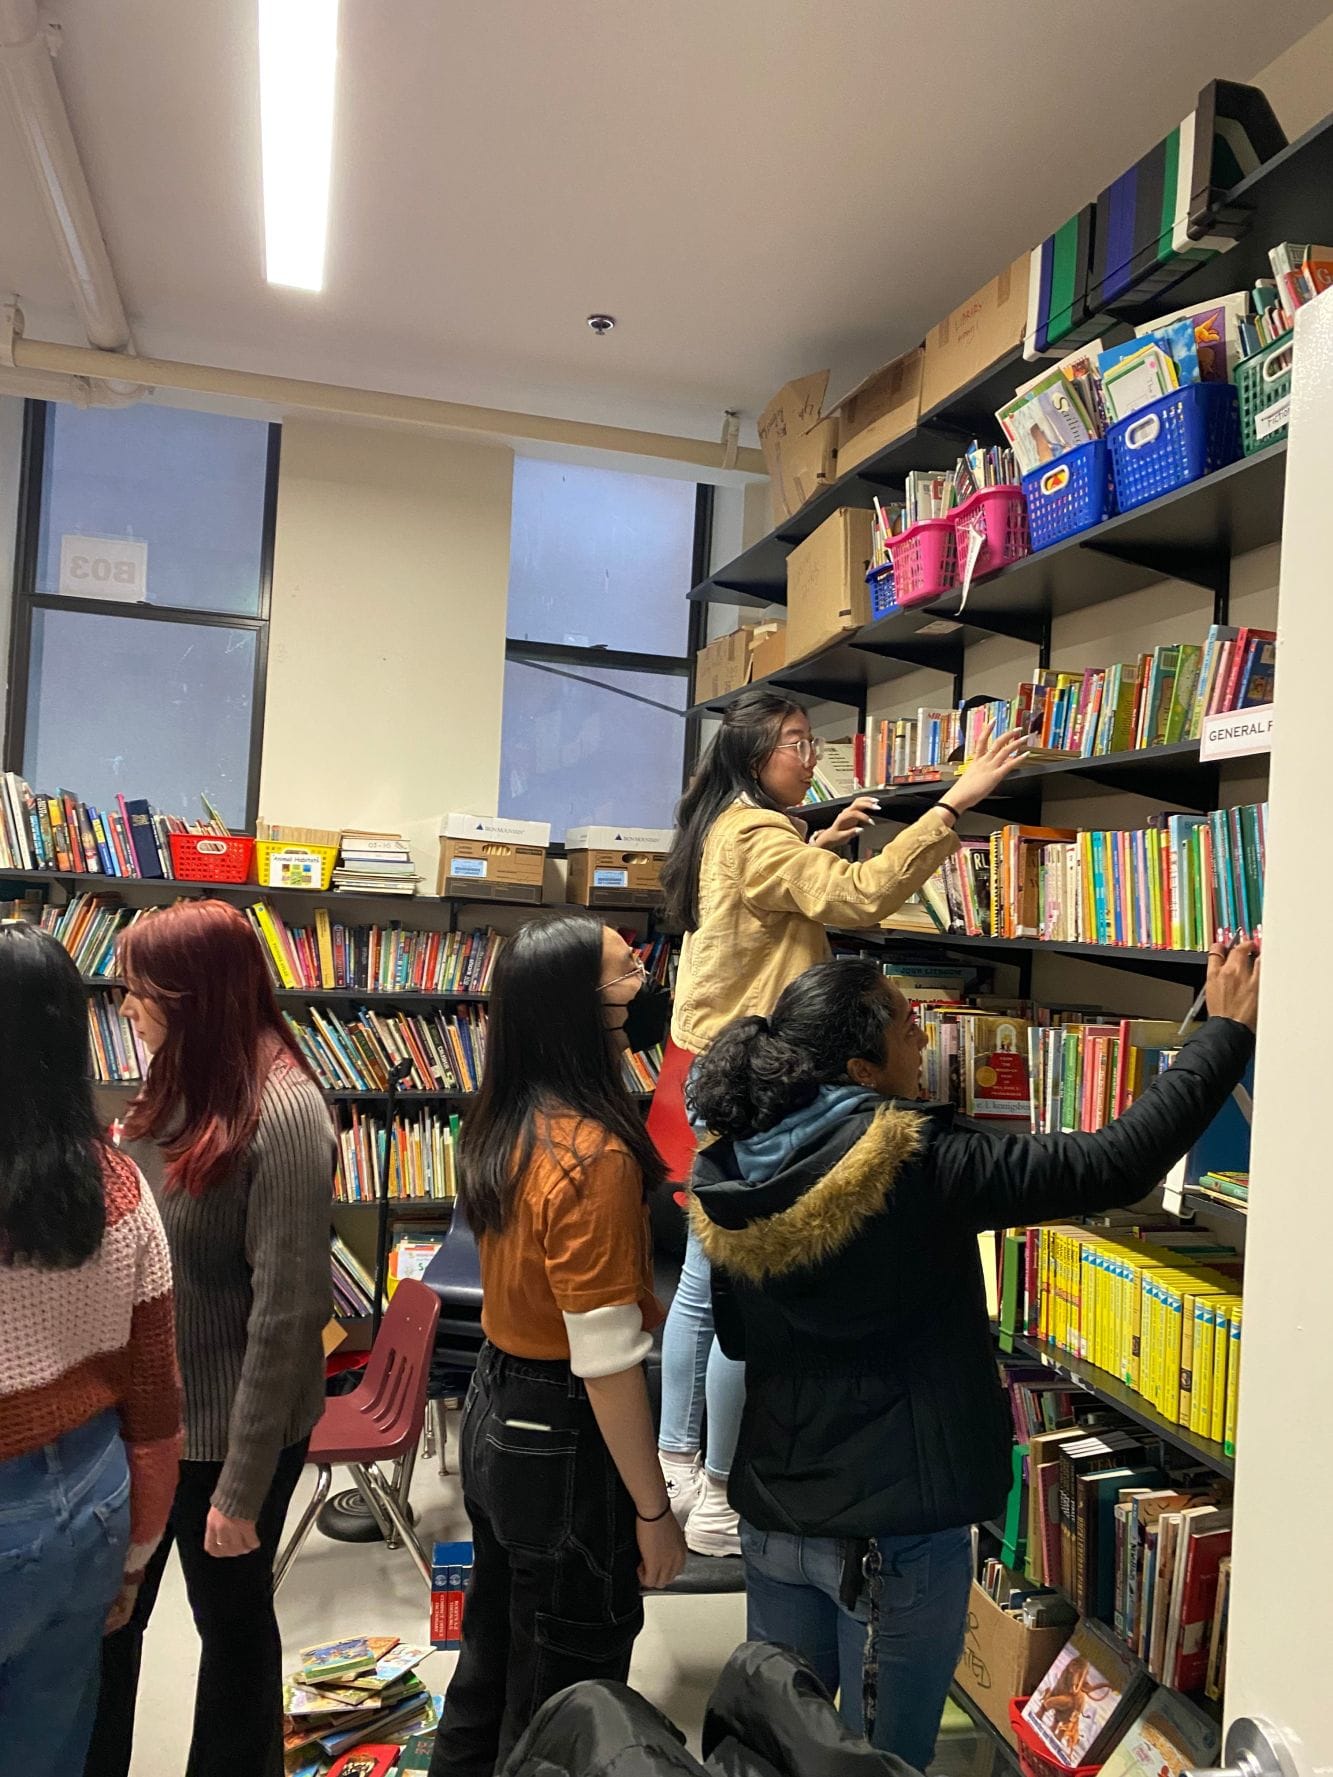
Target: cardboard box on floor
723, 664
979, 332
492, 857
827, 594
880, 409
798, 443
615, 866
1003, 1659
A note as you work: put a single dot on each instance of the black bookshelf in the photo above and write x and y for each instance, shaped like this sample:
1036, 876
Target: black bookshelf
1289, 200
1173, 965
1231, 1218
1190, 534
1106, 1388
412, 997
1172, 773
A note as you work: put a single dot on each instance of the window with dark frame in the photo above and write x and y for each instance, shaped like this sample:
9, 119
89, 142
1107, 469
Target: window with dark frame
600, 641
142, 584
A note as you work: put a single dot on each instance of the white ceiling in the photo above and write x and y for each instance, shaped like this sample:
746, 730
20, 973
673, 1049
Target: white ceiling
755, 188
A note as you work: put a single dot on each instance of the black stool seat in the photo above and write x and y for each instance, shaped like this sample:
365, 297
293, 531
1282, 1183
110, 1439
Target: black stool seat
703, 1574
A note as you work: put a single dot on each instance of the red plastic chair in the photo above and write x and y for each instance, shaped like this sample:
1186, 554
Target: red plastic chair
379, 1422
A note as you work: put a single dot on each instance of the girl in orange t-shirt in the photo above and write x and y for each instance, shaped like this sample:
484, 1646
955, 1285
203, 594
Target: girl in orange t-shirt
560, 1473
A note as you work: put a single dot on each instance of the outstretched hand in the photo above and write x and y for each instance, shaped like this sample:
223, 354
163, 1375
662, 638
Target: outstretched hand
996, 758
1233, 982
854, 819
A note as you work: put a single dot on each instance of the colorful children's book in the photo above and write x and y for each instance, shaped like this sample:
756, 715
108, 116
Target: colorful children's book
1169, 1736
1082, 1704
337, 1659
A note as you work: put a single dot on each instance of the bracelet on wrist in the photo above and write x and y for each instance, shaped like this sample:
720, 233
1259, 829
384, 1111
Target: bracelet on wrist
656, 1518
949, 808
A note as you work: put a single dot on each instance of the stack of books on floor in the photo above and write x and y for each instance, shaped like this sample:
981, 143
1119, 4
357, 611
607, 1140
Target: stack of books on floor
117, 1054
358, 1053
378, 958
640, 1070
422, 1165
375, 864
362, 1691
353, 1286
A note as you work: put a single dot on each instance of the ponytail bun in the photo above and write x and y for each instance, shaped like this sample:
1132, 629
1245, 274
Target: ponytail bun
750, 1079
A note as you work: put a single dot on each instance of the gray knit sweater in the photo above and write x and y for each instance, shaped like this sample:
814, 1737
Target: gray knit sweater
251, 1264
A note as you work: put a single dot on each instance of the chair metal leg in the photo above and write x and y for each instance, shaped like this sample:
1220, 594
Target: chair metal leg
302, 1530
439, 1416
384, 1501
401, 1487
361, 1475
428, 1436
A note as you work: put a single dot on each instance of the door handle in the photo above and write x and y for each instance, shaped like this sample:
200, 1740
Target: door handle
1254, 1748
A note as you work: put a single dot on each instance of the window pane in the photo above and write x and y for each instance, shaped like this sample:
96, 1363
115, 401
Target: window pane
572, 752
188, 486
139, 707
598, 558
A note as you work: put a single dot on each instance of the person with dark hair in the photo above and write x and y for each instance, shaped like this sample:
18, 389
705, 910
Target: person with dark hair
754, 899
89, 1397
235, 1139
560, 1476
841, 1218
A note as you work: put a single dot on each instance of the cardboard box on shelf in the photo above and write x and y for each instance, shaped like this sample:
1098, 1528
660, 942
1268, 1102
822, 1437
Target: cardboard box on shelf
615, 866
799, 443
492, 857
827, 594
723, 664
879, 409
979, 332
768, 649
1003, 1659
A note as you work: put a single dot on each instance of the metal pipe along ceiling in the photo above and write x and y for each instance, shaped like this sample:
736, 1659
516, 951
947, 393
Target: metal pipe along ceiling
28, 77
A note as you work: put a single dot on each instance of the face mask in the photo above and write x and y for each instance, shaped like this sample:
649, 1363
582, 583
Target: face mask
647, 1018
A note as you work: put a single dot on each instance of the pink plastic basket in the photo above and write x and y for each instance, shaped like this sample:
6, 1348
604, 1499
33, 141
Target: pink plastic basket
925, 561
1002, 515
208, 857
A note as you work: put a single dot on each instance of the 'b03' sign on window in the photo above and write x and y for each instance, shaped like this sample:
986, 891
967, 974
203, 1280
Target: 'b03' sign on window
104, 568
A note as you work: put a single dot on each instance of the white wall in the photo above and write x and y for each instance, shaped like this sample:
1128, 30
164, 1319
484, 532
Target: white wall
11, 438
386, 650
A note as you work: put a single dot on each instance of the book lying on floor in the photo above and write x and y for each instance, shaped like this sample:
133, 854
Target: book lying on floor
353, 1696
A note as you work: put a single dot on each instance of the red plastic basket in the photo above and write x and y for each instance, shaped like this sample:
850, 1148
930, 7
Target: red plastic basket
208, 857
1002, 514
1033, 1758
925, 561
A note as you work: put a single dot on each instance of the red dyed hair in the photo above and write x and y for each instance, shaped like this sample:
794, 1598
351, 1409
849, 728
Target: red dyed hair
201, 966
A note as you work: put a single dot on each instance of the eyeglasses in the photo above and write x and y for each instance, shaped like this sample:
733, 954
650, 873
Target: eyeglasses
638, 968
808, 750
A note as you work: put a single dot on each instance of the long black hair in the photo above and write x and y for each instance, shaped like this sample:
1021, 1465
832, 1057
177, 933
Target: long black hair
728, 769
548, 1051
759, 1070
52, 1202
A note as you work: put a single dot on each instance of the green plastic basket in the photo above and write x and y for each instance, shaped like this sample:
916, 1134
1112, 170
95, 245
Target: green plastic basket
1263, 385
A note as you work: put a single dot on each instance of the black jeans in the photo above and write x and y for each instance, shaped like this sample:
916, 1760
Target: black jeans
554, 1596
238, 1699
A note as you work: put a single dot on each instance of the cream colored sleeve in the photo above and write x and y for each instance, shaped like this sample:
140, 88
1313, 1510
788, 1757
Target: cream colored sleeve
780, 873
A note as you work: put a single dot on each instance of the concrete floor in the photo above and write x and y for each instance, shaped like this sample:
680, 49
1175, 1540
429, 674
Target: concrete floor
340, 1589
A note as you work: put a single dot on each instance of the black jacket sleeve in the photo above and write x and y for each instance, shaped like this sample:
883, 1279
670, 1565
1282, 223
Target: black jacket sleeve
728, 1316
1004, 1181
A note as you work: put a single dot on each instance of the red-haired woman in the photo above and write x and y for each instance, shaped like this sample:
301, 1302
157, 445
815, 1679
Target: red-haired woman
234, 1137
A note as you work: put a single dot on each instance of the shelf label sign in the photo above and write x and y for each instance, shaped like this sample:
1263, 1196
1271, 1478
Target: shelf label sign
104, 568
1242, 731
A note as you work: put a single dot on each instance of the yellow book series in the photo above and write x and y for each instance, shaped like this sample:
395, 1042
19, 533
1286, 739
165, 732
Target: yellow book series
1233, 1381
1223, 1308
277, 949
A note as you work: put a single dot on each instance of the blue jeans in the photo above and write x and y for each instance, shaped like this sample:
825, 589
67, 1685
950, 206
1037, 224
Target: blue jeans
64, 1531
792, 1586
695, 1371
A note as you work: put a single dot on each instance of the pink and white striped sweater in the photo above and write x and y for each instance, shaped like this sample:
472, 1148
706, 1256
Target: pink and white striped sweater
74, 1344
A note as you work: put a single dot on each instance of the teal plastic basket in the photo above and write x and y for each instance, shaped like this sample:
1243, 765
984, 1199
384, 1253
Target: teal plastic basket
1263, 388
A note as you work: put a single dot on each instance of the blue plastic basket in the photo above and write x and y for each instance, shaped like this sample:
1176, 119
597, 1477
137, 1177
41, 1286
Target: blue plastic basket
880, 582
1069, 494
1174, 440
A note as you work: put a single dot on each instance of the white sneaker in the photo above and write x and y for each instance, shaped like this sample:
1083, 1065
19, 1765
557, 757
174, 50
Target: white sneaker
684, 1479
713, 1528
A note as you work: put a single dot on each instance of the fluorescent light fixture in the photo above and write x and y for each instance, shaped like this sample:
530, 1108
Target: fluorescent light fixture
298, 60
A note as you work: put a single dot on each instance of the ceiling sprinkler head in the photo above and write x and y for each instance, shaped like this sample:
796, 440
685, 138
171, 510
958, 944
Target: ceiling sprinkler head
601, 324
